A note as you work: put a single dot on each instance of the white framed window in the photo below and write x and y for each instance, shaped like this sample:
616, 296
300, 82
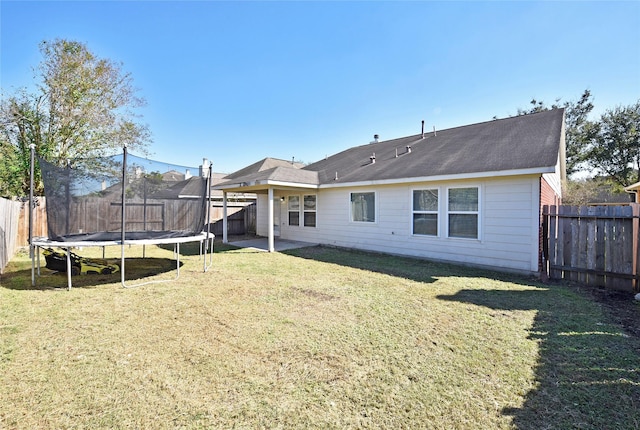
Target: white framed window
425, 212
363, 207
309, 210
463, 212
293, 208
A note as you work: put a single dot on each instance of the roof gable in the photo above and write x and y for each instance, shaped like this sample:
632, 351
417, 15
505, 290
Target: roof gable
262, 165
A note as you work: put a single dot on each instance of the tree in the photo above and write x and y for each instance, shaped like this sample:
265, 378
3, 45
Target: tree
614, 144
577, 127
20, 127
84, 106
593, 190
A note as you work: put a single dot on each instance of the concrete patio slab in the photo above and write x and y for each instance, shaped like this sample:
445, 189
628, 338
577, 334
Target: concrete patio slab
262, 244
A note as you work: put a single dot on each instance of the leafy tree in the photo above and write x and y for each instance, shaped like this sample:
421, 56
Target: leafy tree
84, 106
577, 127
614, 144
593, 190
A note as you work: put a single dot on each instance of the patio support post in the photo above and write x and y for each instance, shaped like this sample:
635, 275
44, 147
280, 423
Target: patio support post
271, 243
224, 218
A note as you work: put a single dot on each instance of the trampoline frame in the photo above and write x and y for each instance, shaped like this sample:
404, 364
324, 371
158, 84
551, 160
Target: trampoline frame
205, 238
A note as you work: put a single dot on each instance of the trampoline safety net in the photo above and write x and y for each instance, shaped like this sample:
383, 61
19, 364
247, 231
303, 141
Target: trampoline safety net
84, 199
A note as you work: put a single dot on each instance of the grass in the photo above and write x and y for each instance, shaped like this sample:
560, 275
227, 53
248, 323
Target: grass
311, 338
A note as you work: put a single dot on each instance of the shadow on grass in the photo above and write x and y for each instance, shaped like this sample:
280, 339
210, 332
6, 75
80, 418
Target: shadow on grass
415, 269
135, 268
186, 249
588, 372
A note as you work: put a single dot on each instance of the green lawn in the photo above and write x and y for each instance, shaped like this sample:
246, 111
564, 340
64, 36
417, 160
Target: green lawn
312, 338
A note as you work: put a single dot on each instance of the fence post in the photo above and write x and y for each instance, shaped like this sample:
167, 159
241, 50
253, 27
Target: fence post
545, 242
635, 208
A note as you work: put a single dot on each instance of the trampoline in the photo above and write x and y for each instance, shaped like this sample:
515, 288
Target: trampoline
123, 200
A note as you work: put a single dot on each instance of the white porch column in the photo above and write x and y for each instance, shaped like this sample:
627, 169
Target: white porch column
224, 217
270, 210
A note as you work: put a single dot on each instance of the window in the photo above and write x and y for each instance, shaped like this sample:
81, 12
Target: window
363, 207
425, 212
309, 211
463, 212
293, 206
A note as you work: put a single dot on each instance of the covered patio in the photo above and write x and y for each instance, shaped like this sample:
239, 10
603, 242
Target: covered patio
271, 177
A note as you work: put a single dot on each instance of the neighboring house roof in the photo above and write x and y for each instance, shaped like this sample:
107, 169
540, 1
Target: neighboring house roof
173, 175
189, 188
529, 143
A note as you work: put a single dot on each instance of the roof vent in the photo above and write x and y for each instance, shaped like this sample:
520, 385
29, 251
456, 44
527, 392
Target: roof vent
375, 138
434, 130
408, 149
373, 158
423, 129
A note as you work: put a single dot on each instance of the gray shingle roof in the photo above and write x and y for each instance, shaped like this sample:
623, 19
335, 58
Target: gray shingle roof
518, 143
264, 164
527, 142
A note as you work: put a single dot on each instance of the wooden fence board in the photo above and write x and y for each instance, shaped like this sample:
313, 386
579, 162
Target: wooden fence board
594, 245
582, 226
591, 244
9, 222
600, 246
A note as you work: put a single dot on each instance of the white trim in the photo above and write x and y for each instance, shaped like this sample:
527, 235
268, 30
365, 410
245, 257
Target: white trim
315, 211
293, 211
258, 185
474, 175
376, 205
478, 212
438, 211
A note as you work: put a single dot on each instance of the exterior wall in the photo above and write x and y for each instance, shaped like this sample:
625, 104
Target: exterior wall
554, 183
262, 215
508, 227
549, 195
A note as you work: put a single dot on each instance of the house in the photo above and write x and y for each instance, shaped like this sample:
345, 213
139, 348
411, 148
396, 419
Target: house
633, 191
471, 194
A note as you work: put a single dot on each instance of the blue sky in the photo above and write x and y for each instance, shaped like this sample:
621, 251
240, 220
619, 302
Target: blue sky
239, 81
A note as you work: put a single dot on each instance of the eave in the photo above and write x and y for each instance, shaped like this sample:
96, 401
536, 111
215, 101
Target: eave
439, 178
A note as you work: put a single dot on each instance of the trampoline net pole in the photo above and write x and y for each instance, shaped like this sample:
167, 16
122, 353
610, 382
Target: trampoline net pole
124, 178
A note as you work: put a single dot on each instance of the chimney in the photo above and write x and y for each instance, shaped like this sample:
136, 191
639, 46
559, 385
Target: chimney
204, 169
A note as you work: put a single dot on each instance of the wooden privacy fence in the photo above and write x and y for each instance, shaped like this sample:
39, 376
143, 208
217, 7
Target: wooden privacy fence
241, 220
592, 245
9, 216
